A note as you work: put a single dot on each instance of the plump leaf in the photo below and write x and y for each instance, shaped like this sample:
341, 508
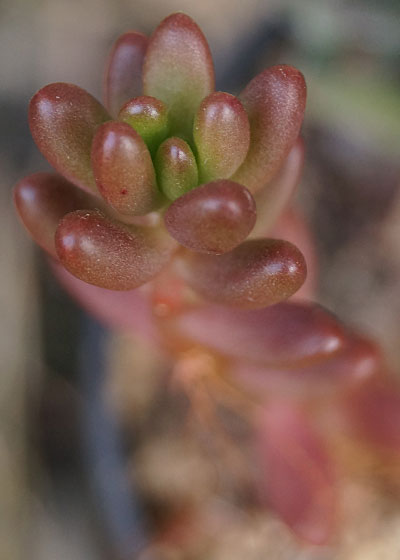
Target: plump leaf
286, 334
63, 119
123, 169
176, 168
213, 218
275, 103
110, 255
297, 475
293, 227
123, 75
257, 273
178, 69
42, 199
149, 117
355, 363
222, 136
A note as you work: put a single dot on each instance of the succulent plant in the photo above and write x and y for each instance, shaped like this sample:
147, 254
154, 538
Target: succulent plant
180, 189
168, 169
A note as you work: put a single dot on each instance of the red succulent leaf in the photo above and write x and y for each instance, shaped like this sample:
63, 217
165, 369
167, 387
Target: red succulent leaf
285, 334
213, 218
123, 169
257, 273
275, 103
43, 199
63, 119
178, 69
356, 362
110, 255
222, 136
297, 475
123, 75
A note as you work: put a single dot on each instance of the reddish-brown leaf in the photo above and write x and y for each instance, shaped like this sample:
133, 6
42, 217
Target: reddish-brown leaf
110, 255
42, 199
123, 75
257, 273
275, 103
213, 218
63, 119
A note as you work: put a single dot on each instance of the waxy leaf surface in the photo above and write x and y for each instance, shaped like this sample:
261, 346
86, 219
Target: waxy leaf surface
123, 76
63, 119
110, 255
257, 273
176, 168
222, 136
178, 69
123, 169
275, 103
149, 117
213, 218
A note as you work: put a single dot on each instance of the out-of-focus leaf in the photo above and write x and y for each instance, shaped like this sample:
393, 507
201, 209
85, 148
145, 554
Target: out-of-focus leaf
285, 334
375, 413
296, 474
123, 76
358, 361
43, 199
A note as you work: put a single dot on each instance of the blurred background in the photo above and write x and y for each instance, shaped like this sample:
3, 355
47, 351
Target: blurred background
349, 53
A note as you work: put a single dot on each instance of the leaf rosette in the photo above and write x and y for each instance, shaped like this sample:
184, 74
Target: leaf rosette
168, 171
